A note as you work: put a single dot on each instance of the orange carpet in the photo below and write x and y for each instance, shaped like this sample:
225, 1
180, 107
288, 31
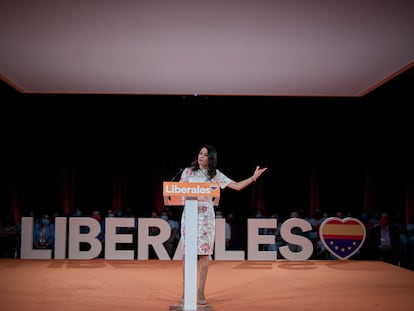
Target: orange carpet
154, 285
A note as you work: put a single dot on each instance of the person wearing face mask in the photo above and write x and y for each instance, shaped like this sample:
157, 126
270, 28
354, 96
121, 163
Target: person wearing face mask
44, 233
172, 242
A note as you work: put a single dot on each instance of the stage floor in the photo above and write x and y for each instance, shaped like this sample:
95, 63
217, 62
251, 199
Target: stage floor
154, 285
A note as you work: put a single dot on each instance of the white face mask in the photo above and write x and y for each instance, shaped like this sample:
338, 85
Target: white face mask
165, 217
219, 216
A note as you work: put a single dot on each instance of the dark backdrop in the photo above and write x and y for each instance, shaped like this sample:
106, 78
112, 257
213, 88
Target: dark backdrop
62, 152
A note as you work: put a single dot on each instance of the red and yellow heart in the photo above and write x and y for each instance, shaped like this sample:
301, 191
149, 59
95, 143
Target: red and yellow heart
342, 237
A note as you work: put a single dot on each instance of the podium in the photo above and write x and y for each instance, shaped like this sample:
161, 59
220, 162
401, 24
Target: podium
188, 194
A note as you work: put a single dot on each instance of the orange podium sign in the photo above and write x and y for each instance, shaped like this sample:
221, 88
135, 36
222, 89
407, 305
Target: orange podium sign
175, 193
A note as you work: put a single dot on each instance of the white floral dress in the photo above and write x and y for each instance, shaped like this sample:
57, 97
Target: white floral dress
206, 215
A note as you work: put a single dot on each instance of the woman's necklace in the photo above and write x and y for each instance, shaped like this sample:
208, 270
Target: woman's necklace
205, 172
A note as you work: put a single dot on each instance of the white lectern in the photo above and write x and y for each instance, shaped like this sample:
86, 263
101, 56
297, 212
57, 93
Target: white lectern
188, 194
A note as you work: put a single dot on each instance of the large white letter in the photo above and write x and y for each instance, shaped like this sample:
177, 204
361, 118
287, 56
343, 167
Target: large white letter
254, 239
144, 239
26, 248
60, 237
111, 238
75, 238
289, 237
220, 252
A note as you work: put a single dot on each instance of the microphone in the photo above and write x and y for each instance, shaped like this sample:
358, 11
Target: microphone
177, 174
175, 177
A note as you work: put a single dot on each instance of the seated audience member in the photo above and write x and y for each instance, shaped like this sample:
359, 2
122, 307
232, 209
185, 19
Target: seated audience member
227, 230
153, 231
386, 241
172, 242
410, 243
44, 233
101, 236
8, 236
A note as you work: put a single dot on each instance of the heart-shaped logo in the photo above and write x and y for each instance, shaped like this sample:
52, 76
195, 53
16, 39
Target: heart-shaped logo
342, 237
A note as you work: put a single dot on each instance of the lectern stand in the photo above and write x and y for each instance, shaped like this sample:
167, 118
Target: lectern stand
188, 194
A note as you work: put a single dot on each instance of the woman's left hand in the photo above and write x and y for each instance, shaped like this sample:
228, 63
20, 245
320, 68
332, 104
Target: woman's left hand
259, 171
